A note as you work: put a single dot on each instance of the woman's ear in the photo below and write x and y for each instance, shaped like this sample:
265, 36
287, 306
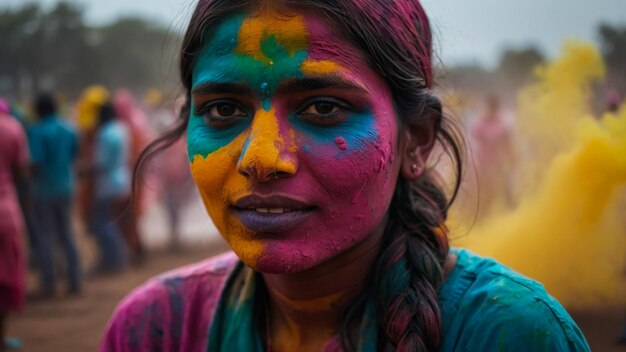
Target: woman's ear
417, 143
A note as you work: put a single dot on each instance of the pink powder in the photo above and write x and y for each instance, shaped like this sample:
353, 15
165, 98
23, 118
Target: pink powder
341, 143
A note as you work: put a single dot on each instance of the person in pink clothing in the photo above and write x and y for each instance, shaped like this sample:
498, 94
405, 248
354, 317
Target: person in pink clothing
492, 147
136, 123
13, 167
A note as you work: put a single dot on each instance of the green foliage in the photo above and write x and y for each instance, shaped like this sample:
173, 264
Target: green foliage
518, 65
56, 50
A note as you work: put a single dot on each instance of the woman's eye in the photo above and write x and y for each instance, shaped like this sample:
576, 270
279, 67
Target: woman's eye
226, 110
324, 112
321, 108
222, 114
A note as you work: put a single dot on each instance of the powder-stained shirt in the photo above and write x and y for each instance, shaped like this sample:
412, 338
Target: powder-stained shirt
112, 153
485, 307
54, 147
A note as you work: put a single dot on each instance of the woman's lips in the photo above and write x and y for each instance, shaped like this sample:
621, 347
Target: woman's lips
271, 214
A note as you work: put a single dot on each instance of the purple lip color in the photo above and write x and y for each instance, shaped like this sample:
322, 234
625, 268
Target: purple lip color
268, 222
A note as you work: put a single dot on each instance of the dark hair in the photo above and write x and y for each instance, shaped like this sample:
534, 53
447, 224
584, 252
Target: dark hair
45, 105
106, 113
395, 37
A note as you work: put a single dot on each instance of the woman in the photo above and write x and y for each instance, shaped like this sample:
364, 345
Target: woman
112, 187
136, 123
309, 127
14, 162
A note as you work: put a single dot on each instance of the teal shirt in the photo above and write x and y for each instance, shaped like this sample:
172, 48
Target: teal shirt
486, 306
54, 147
112, 153
207, 306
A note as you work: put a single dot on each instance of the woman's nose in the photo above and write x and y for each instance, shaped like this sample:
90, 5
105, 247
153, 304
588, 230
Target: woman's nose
266, 154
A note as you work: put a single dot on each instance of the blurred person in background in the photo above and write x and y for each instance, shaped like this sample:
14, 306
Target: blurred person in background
13, 167
23, 188
112, 189
138, 128
87, 112
178, 187
54, 148
613, 101
492, 148
173, 169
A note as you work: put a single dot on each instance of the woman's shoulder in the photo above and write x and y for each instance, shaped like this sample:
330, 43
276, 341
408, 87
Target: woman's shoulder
487, 306
172, 311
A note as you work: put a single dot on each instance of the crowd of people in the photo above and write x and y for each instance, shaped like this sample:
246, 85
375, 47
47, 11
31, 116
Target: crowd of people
60, 164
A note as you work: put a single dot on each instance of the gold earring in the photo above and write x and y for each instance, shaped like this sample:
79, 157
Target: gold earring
414, 168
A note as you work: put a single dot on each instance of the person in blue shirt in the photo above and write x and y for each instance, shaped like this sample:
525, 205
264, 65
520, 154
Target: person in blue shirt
112, 188
54, 146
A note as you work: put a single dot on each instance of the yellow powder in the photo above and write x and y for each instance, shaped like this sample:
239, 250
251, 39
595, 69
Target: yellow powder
265, 145
219, 181
312, 67
568, 229
289, 31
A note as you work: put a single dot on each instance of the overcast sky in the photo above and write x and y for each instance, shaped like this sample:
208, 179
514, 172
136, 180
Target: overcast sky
466, 30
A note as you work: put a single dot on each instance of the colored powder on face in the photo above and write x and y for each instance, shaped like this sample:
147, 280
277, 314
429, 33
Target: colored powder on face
359, 131
566, 230
203, 140
270, 139
264, 88
217, 179
268, 35
341, 143
262, 51
312, 67
264, 146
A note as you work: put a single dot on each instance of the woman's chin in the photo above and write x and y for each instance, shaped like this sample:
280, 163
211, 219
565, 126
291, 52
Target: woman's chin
274, 260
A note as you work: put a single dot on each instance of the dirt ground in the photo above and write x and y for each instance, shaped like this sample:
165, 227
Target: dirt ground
76, 323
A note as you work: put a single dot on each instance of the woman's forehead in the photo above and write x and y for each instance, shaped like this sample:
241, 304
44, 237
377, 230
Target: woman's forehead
264, 48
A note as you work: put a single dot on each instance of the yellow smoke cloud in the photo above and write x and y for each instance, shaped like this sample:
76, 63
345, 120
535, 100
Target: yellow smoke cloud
568, 229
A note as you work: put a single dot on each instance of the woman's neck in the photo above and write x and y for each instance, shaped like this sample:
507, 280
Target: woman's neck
305, 308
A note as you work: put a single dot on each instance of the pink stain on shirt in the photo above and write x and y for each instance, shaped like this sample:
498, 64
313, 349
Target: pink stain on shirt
171, 312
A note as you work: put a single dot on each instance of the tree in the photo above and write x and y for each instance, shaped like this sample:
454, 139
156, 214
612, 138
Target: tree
134, 53
56, 51
516, 68
17, 30
613, 46
468, 78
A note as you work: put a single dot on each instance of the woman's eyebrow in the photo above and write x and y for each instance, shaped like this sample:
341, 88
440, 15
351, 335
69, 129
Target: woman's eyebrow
313, 83
222, 88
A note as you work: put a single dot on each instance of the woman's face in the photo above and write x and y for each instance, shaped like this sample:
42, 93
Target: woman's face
292, 140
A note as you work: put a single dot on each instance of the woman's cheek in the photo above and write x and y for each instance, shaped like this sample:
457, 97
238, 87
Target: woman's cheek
357, 189
219, 183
